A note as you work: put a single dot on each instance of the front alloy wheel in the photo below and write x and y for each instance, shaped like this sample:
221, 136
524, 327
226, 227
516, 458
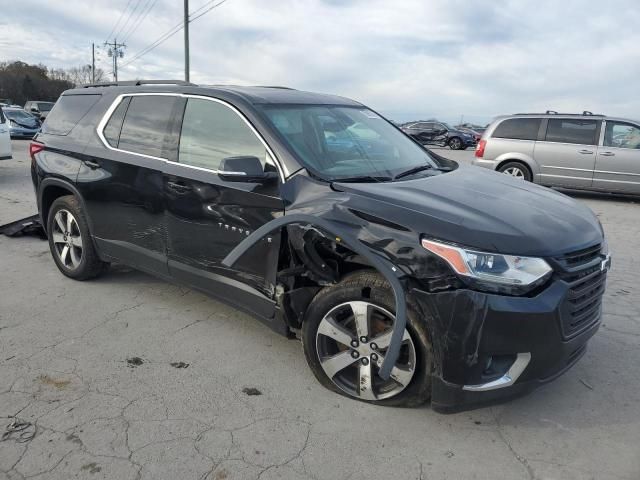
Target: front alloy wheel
346, 333
351, 342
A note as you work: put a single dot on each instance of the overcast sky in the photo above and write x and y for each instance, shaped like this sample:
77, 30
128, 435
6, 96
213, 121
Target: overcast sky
408, 59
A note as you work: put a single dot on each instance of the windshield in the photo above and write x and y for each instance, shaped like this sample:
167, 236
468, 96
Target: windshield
18, 115
337, 142
45, 106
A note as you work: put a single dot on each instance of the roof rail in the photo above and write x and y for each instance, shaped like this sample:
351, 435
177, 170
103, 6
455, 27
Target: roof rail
276, 86
137, 83
585, 113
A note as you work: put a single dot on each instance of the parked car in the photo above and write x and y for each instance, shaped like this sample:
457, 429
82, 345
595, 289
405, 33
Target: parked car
5, 139
581, 151
38, 108
21, 124
475, 134
406, 275
438, 133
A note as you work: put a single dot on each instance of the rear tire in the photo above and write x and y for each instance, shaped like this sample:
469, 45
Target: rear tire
455, 143
70, 241
516, 170
332, 315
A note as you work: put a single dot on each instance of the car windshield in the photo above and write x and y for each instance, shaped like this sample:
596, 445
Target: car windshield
45, 106
346, 143
18, 115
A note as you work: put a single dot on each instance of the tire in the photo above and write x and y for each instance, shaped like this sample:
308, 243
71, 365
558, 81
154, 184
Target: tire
455, 143
81, 261
414, 365
517, 170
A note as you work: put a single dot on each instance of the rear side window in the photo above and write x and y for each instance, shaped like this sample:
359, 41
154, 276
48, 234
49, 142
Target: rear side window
518, 129
147, 124
68, 111
569, 130
212, 131
112, 129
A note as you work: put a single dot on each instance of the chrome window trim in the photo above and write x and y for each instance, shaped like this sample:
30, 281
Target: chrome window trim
282, 170
508, 379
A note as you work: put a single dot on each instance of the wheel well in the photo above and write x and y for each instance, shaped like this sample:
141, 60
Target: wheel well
309, 261
49, 195
513, 160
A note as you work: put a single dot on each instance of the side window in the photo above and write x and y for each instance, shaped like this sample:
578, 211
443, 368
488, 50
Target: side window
212, 131
147, 124
569, 130
518, 129
2, 118
68, 111
622, 135
112, 129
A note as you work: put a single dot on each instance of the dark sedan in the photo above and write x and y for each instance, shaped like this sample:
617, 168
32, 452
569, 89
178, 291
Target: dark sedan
21, 123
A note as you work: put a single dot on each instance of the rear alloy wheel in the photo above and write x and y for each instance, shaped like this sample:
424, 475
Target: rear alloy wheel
70, 241
455, 143
346, 335
516, 170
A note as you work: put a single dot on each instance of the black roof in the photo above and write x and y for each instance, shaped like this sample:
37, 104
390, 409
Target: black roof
251, 94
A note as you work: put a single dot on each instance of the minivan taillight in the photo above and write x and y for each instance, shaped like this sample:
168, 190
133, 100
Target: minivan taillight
480, 148
34, 148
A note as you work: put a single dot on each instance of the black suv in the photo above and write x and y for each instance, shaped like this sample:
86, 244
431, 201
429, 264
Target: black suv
407, 276
439, 133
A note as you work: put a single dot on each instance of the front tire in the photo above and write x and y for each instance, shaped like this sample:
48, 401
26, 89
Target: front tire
346, 333
70, 242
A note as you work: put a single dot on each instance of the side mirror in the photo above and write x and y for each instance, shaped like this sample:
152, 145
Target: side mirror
244, 169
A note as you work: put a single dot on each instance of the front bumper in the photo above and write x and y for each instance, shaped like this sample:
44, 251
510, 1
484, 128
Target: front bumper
19, 132
488, 347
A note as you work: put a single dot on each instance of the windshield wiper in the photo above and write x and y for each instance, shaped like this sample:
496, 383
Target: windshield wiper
363, 179
413, 170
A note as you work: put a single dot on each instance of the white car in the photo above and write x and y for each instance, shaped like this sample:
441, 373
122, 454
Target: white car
5, 139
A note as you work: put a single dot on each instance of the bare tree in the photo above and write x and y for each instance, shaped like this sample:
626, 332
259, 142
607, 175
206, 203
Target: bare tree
82, 75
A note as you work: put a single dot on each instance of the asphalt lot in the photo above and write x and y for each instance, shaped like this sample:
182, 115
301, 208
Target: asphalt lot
65, 345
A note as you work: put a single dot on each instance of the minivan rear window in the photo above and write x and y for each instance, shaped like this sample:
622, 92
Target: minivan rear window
569, 130
518, 129
67, 112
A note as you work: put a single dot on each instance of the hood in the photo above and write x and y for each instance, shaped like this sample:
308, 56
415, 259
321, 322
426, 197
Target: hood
483, 209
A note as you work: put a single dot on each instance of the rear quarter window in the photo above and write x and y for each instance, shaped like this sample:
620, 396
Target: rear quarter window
67, 113
518, 129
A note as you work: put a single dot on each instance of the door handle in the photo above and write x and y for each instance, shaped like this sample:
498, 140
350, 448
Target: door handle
607, 154
585, 152
91, 164
178, 187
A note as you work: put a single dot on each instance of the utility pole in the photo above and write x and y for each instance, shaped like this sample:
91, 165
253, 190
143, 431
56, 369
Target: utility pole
186, 40
93, 62
116, 50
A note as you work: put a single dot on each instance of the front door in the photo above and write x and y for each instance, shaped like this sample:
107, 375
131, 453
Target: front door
567, 154
208, 216
618, 160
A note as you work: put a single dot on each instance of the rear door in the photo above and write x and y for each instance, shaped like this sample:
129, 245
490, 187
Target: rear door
207, 216
567, 154
618, 161
5, 139
123, 186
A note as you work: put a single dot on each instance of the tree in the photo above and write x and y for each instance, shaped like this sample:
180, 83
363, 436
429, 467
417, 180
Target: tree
21, 82
82, 75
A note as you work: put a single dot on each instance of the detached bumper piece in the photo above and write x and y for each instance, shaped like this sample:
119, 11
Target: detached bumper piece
24, 227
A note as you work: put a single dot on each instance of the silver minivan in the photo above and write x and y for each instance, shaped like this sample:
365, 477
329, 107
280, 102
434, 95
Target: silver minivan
583, 151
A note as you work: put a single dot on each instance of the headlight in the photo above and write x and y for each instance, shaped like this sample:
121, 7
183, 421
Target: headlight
492, 271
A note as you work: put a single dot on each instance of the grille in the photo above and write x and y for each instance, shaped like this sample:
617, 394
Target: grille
583, 304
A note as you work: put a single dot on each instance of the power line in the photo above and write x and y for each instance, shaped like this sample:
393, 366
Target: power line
171, 32
143, 14
124, 25
119, 20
